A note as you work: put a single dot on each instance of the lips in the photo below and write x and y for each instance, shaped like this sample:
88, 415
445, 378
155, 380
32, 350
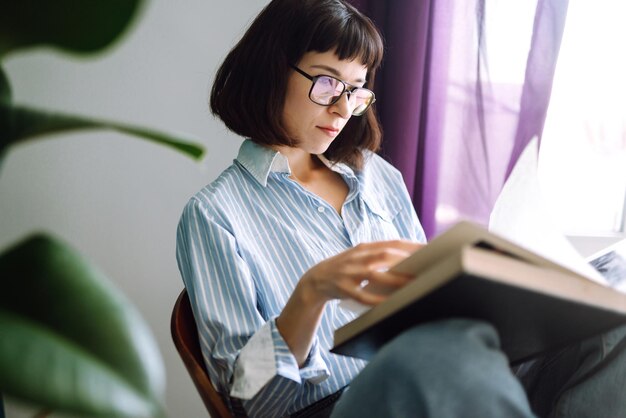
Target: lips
329, 130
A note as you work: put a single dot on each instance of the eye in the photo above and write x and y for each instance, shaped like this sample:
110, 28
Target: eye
332, 83
327, 86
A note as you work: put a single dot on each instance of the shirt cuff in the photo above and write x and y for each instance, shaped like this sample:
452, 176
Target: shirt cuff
255, 365
314, 369
267, 355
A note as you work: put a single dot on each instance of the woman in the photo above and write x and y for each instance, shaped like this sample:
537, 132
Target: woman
273, 220
306, 214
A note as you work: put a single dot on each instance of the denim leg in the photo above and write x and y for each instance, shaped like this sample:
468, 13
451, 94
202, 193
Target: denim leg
443, 369
587, 379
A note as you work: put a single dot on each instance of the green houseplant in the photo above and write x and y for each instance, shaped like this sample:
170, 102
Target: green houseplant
69, 340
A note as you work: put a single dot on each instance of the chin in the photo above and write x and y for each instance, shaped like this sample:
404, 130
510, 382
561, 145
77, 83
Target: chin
322, 148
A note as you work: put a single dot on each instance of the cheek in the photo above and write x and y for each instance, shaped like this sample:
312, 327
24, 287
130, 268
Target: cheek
291, 107
298, 114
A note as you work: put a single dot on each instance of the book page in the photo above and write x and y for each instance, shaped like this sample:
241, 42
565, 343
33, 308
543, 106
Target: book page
521, 215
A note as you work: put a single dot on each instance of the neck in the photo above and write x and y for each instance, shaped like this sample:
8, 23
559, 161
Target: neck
312, 174
302, 164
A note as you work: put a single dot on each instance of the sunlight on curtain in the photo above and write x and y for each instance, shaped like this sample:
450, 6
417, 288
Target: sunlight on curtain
508, 30
473, 167
582, 163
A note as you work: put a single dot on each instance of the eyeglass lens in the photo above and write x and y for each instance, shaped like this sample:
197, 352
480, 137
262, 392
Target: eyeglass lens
326, 90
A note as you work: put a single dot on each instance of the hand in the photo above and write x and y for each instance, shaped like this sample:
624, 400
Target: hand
340, 277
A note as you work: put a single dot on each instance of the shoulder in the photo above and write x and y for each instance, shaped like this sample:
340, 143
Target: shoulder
383, 187
377, 168
222, 196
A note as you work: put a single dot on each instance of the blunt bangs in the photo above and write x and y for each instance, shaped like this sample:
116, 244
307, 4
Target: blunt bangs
345, 30
358, 42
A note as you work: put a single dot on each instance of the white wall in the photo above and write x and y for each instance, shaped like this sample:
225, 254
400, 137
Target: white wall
118, 198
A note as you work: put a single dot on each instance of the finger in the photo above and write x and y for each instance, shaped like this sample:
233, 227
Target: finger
369, 252
410, 246
383, 258
360, 295
400, 244
362, 264
389, 279
385, 283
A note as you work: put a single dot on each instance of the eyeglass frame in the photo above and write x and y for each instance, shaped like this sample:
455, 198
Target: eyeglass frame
314, 79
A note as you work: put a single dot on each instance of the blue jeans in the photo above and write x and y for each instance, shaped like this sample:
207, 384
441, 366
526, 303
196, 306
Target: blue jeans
454, 368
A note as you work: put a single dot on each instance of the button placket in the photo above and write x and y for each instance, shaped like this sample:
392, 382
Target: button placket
351, 222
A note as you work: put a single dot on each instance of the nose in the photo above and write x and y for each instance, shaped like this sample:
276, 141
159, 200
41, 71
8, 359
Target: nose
344, 106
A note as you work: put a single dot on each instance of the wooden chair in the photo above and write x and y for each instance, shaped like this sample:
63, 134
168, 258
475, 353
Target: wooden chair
185, 336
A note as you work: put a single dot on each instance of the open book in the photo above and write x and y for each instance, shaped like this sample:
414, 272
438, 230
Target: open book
523, 277
535, 304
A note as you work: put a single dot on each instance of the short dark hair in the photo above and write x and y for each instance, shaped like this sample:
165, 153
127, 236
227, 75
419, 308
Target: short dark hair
249, 90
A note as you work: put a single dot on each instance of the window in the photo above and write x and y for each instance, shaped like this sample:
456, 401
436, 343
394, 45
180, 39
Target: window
582, 162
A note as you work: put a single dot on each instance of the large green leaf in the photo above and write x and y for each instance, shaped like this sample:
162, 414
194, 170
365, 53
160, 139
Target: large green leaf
69, 340
5, 99
20, 123
71, 25
5, 88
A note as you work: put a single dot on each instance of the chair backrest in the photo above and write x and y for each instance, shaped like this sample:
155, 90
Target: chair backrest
185, 336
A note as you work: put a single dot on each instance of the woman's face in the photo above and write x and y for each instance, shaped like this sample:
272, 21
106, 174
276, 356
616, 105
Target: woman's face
312, 125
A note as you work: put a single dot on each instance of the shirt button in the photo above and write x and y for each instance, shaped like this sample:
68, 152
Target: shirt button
320, 209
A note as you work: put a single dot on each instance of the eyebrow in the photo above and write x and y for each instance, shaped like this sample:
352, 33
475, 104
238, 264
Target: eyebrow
335, 72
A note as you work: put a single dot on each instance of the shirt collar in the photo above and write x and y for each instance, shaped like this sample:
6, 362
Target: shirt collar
340, 168
260, 161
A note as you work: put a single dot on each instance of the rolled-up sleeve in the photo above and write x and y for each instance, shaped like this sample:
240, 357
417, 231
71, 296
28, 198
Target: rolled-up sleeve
245, 354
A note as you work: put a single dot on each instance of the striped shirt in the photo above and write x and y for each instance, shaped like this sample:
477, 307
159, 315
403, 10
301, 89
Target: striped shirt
243, 243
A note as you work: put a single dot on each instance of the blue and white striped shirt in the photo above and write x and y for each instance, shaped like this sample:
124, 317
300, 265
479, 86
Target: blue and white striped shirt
243, 243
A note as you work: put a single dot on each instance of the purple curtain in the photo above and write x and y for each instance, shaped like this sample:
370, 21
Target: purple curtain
454, 134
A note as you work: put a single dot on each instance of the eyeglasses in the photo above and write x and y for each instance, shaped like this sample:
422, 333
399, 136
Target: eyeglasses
327, 90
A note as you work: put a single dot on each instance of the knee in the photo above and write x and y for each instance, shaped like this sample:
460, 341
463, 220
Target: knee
447, 368
459, 356
458, 343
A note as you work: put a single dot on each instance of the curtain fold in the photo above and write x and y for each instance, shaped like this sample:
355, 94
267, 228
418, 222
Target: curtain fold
453, 131
402, 88
548, 28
